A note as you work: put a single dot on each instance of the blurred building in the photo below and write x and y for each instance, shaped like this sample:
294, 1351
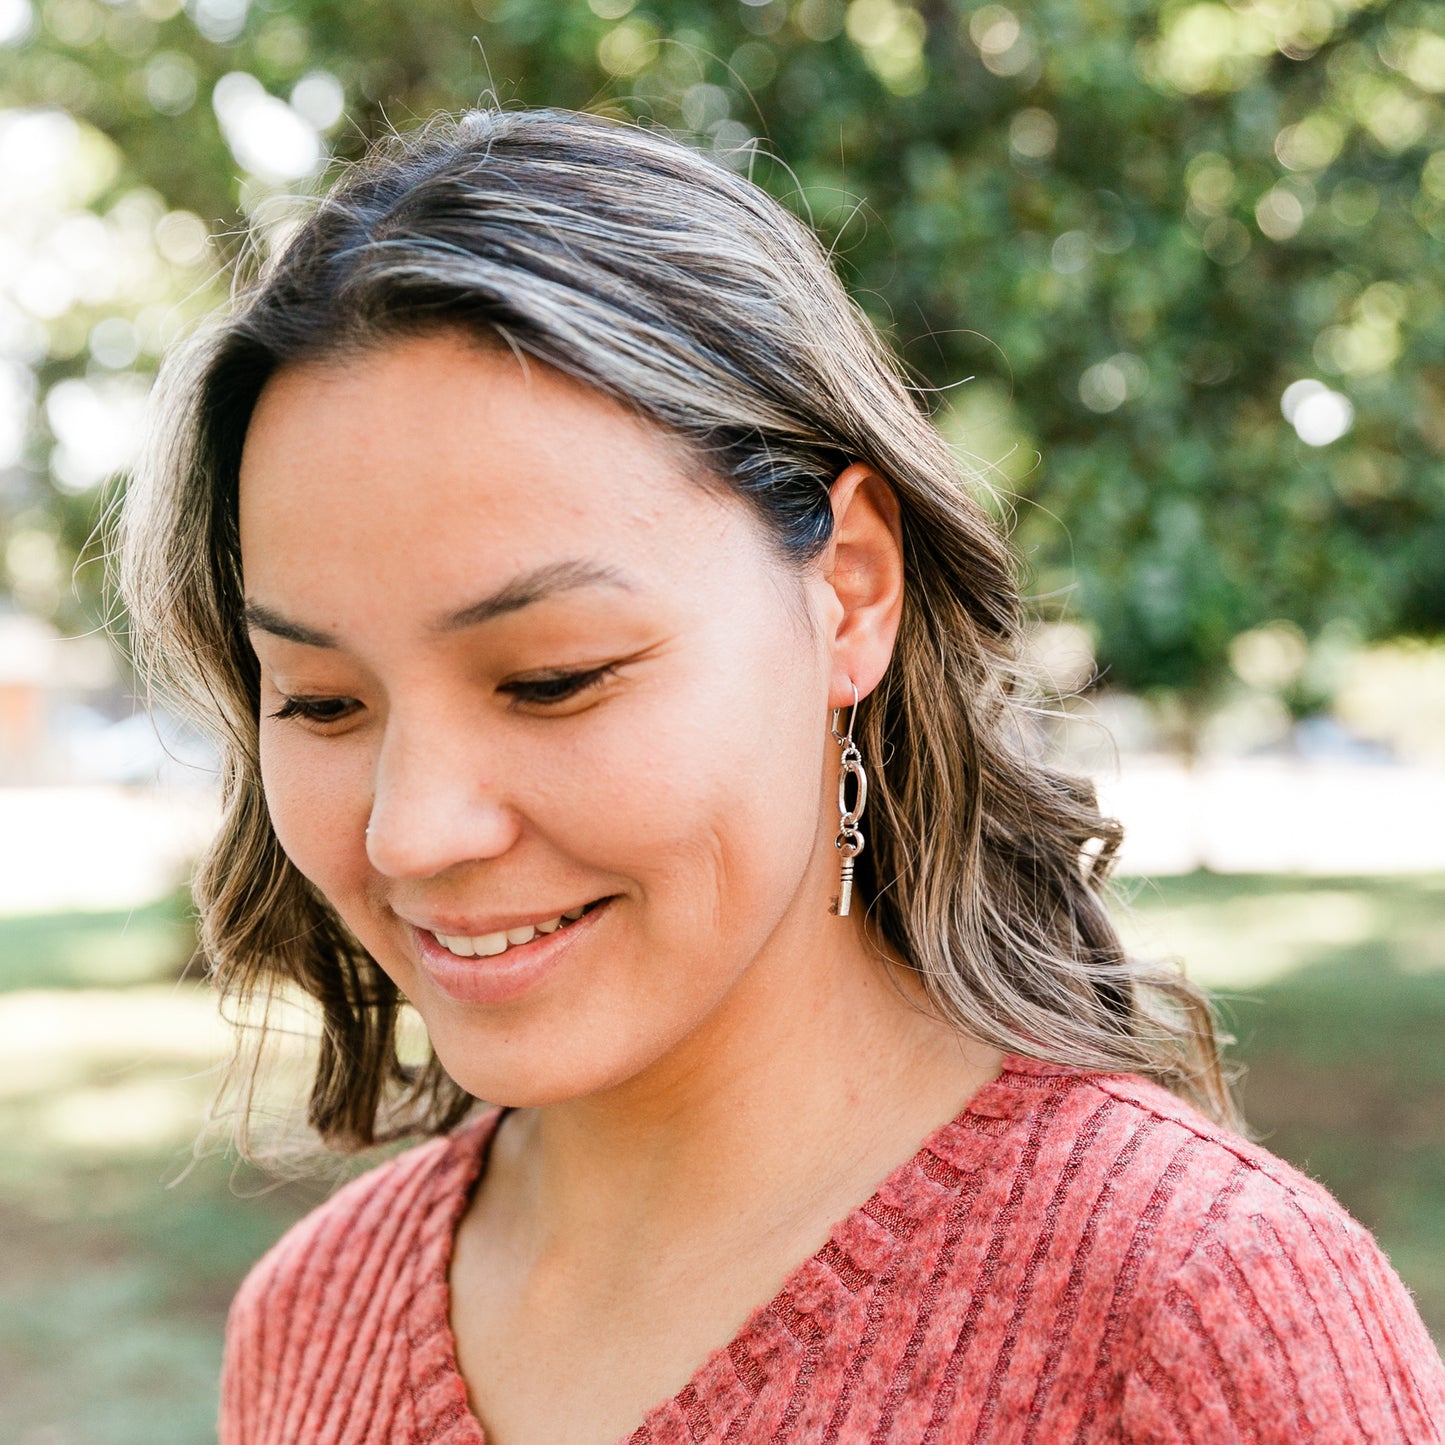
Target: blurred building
66, 719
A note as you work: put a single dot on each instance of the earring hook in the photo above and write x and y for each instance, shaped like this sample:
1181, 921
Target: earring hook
838, 737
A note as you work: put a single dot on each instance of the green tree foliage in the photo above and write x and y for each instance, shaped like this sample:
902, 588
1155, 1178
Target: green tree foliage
1110, 238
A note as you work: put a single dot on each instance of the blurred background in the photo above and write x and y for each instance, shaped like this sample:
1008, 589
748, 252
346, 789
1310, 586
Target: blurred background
1169, 275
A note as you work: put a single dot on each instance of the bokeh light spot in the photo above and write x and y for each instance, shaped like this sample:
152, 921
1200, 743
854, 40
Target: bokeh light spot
1318, 414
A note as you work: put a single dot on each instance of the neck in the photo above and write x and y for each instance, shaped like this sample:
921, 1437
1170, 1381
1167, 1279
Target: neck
822, 1070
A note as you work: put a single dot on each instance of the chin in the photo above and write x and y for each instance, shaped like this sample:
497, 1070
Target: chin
522, 1078
574, 1048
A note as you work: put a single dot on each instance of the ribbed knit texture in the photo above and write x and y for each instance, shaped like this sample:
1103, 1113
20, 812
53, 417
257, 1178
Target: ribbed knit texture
1076, 1257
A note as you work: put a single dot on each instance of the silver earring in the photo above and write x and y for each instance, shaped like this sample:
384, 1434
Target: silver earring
849, 841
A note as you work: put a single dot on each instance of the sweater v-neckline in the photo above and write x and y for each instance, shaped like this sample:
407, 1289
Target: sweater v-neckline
860, 1250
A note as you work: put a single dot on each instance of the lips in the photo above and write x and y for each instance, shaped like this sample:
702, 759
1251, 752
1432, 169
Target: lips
496, 966
489, 945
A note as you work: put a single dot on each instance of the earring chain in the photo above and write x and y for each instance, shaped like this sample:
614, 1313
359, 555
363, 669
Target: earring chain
849, 841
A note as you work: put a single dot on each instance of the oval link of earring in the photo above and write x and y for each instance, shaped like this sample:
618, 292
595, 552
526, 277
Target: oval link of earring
852, 766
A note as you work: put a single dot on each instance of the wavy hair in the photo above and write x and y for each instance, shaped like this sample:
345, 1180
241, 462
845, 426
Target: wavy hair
644, 268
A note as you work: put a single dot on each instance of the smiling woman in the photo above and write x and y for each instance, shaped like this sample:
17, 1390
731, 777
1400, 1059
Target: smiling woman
457, 773
584, 606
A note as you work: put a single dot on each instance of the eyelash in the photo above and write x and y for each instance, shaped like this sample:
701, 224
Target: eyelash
564, 685
310, 709
540, 692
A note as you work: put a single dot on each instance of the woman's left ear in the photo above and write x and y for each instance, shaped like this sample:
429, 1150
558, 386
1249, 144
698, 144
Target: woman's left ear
863, 572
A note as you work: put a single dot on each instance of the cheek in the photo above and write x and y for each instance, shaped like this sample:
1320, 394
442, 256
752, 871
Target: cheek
711, 795
317, 799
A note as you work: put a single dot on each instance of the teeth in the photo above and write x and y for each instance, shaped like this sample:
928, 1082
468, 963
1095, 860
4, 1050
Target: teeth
489, 945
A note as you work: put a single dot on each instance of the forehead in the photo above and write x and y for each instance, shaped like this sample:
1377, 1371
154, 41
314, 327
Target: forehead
418, 472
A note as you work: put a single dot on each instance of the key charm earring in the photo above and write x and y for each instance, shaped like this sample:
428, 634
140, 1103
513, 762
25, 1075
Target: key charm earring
849, 841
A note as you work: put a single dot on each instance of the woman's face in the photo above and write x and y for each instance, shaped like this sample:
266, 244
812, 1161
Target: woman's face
500, 628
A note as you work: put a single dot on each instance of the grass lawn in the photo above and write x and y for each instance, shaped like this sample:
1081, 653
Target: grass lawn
115, 1272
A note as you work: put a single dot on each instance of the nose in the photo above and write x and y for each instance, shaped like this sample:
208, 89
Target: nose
435, 804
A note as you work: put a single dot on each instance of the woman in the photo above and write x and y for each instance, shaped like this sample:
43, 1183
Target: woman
609, 663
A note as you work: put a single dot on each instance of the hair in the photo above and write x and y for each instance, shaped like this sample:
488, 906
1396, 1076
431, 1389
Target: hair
627, 259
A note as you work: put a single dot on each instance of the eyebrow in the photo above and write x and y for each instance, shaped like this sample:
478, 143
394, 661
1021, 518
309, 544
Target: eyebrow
520, 592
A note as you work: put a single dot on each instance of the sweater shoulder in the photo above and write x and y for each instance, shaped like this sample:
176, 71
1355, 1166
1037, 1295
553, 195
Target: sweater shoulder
1217, 1168
355, 1243
1160, 1192
1257, 1302
359, 1206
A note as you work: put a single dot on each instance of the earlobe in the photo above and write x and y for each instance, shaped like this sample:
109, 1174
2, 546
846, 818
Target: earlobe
865, 572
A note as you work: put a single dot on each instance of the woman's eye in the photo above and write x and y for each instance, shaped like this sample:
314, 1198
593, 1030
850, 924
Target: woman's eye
557, 687
315, 709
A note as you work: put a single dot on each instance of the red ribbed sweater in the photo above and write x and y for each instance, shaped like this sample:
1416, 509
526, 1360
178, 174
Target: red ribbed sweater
1076, 1257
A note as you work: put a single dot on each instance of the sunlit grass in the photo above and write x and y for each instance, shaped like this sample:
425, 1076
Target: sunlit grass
1243, 932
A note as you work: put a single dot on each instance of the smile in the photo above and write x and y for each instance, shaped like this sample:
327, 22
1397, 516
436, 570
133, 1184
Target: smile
502, 966
490, 945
